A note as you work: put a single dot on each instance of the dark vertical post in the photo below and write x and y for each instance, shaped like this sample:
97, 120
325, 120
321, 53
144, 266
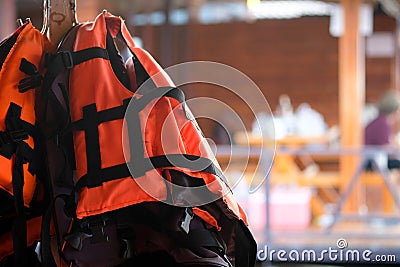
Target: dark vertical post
166, 37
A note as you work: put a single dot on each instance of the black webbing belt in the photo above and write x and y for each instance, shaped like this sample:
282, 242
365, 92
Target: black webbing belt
138, 165
34, 78
192, 162
12, 143
65, 60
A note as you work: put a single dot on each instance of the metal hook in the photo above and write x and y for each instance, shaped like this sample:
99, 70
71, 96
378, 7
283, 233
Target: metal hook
73, 8
20, 22
46, 16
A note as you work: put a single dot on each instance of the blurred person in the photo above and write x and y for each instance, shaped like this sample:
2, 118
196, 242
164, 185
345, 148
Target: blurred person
379, 132
285, 113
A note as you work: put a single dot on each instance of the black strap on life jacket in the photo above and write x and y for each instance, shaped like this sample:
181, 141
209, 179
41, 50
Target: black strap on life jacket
66, 60
139, 165
45, 249
192, 162
12, 143
34, 78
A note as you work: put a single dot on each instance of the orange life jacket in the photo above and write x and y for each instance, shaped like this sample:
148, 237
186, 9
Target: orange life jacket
98, 144
163, 144
20, 66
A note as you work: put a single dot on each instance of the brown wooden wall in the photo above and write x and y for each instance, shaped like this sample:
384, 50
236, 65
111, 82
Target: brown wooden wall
297, 57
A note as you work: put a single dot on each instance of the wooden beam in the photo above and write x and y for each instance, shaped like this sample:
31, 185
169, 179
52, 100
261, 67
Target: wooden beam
351, 91
166, 37
62, 16
148, 34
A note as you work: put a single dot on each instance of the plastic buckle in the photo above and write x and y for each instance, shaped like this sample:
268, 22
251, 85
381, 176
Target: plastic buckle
75, 240
18, 135
185, 224
98, 234
67, 59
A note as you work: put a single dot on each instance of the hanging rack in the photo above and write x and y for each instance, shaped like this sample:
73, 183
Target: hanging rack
58, 17
46, 15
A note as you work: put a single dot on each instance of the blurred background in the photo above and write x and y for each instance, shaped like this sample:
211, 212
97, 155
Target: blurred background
323, 67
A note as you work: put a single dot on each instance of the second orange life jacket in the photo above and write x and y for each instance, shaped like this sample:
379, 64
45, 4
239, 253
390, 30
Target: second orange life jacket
21, 57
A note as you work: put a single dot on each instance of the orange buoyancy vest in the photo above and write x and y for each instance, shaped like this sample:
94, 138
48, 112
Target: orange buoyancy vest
133, 143
20, 60
98, 101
